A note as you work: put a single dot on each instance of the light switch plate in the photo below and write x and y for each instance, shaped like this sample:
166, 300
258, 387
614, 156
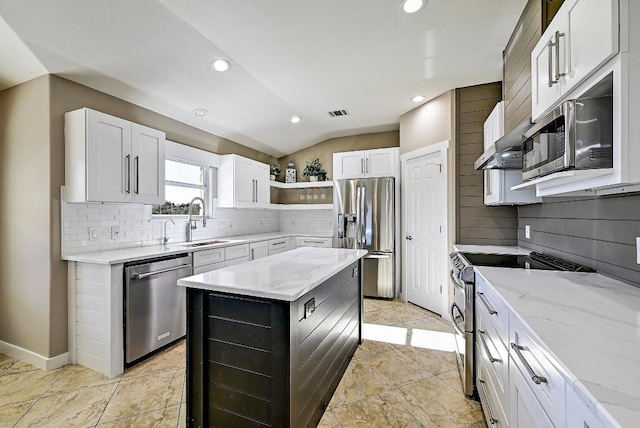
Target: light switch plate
94, 233
527, 232
638, 250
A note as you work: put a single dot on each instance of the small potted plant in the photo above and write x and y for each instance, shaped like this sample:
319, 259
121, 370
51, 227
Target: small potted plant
274, 170
314, 169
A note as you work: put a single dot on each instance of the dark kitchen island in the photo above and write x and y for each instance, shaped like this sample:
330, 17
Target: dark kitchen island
269, 340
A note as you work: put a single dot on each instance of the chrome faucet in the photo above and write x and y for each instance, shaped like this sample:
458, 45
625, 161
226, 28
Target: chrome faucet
191, 225
164, 230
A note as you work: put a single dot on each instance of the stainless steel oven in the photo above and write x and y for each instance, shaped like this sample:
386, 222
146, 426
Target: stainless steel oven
463, 307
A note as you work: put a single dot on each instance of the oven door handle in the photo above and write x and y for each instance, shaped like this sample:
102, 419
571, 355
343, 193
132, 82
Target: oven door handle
455, 280
453, 319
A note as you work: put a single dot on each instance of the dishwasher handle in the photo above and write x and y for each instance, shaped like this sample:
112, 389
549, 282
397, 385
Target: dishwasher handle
161, 271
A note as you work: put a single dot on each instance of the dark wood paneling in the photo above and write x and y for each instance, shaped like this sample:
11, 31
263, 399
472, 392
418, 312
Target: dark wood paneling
549, 10
241, 380
596, 232
475, 222
240, 309
517, 65
241, 404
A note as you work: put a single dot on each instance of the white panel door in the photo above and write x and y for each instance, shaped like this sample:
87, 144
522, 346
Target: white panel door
108, 158
424, 240
348, 165
244, 193
147, 152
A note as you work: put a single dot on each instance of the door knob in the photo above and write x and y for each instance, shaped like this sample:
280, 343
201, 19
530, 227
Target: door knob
409, 237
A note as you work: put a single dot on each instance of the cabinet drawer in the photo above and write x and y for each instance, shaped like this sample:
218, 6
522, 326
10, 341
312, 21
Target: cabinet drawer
494, 354
208, 268
237, 261
278, 245
236, 252
578, 414
206, 257
542, 377
494, 408
498, 313
313, 242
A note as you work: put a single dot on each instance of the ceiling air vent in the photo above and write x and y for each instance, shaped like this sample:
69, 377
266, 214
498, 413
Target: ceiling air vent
337, 113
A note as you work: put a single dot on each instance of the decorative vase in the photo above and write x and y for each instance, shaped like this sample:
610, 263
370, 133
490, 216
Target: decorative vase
313, 178
273, 177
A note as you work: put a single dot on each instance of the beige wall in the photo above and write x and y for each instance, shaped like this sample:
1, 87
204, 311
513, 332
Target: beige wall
25, 236
33, 278
431, 123
325, 150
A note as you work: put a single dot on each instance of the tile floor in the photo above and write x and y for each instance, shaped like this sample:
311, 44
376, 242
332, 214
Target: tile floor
407, 377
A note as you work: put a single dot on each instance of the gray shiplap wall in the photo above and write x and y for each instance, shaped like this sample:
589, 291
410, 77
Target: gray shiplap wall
596, 232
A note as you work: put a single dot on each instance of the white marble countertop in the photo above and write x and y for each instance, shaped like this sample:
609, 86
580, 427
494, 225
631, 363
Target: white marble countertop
491, 249
590, 324
130, 254
285, 276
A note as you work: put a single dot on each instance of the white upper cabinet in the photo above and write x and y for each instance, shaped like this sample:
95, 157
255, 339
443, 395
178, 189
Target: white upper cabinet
582, 37
108, 159
147, 155
498, 182
243, 183
366, 164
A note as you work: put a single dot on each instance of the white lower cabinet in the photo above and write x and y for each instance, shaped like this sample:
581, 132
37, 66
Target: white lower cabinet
302, 241
578, 414
208, 260
277, 246
526, 411
258, 250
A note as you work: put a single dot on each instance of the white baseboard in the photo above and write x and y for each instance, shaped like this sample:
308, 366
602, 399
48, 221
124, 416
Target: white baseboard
43, 363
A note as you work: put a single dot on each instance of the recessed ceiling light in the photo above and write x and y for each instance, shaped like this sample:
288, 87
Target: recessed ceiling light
296, 119
220, 65
411, 6
418, 99
200, 112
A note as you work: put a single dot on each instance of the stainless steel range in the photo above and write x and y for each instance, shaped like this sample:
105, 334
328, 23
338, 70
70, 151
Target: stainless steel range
463, 307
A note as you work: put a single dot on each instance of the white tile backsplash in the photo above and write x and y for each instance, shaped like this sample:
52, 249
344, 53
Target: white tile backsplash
306, 222
138, 228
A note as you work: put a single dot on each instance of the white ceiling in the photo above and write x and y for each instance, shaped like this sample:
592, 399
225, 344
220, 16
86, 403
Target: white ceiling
289, 57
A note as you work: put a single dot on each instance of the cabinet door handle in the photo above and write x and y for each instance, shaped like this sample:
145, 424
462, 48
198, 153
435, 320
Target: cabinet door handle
557, 45
362, 166
137, 166
128, 171
534, 377
366, 169
253, 254
550, 68
486, 347
487, 305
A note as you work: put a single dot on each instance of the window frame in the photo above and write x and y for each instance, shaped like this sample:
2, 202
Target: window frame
177, 152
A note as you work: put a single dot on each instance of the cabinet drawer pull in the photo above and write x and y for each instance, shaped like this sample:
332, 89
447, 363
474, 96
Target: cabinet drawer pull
534, 377
483, 396
486, 347
487, 305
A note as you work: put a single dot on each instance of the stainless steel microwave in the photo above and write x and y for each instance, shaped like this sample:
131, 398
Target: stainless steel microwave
578, 134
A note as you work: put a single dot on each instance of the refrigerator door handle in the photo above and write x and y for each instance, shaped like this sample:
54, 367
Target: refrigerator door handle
377, 256
362, 225
358, 217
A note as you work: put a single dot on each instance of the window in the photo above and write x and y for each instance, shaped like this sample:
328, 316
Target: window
183, 182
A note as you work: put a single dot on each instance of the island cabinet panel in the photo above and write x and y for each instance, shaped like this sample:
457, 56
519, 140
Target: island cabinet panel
257, 362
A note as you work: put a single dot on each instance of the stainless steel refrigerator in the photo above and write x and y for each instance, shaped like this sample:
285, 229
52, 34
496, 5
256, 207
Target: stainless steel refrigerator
364, 215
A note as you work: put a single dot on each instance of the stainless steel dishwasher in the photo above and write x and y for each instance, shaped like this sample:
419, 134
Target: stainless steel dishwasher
154, 305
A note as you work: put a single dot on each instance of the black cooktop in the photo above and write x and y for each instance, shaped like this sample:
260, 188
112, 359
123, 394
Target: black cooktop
534, 260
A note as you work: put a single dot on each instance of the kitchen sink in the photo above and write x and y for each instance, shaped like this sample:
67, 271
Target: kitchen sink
204, 243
